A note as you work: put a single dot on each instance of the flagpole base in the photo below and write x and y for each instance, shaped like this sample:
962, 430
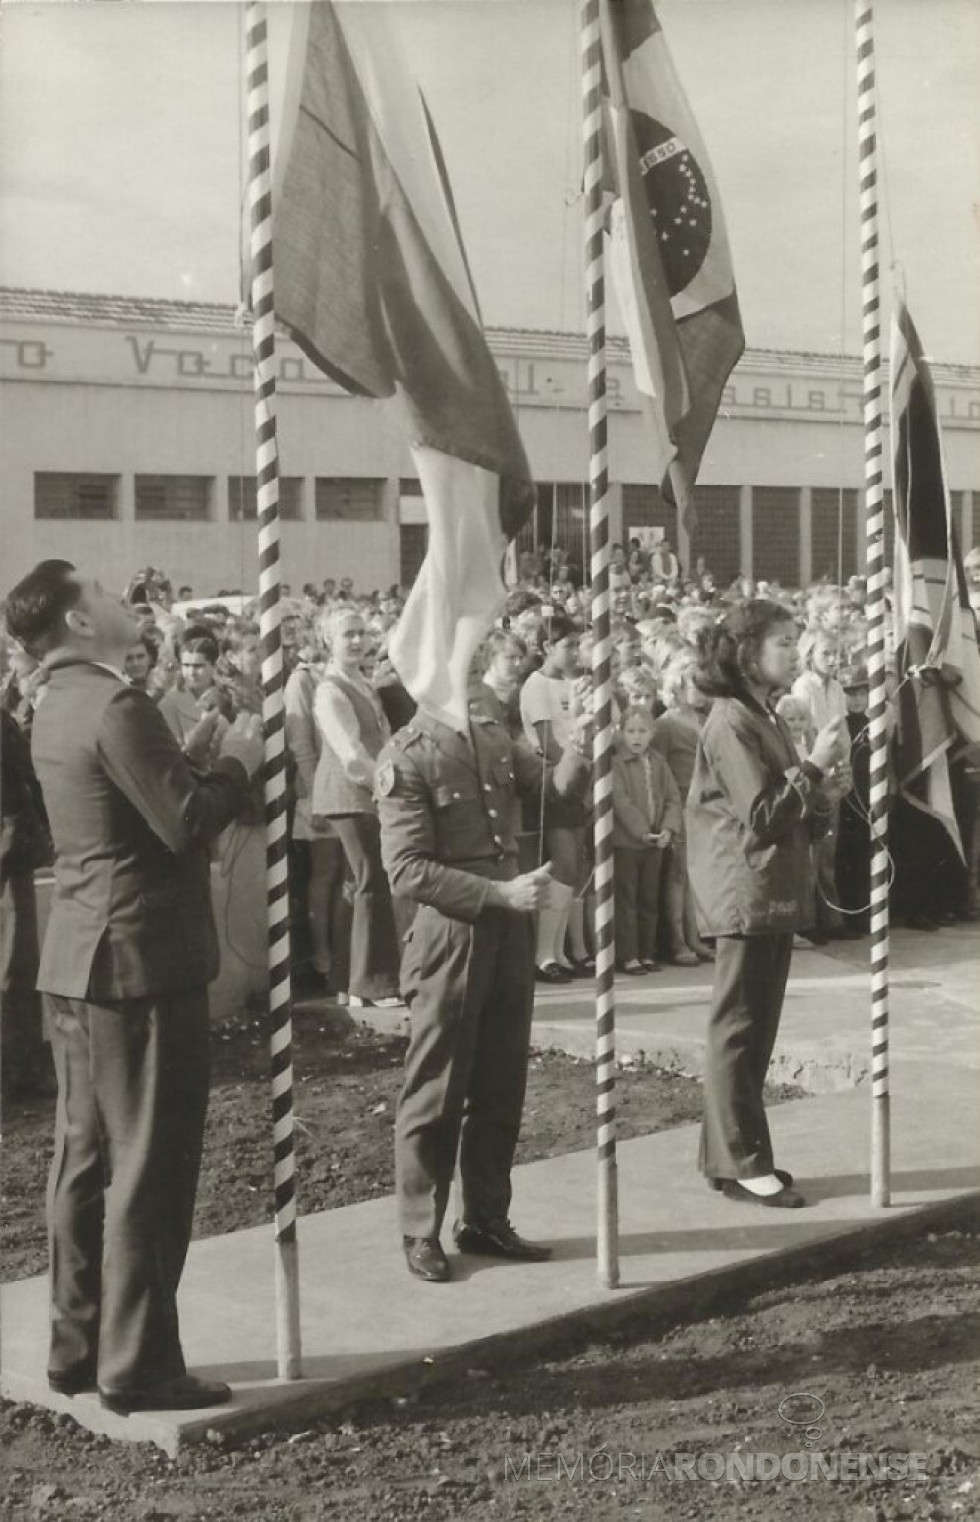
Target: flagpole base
288, 1341
881, 1196
607, 1244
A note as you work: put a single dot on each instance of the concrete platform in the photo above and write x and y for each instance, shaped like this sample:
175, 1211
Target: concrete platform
369, 1329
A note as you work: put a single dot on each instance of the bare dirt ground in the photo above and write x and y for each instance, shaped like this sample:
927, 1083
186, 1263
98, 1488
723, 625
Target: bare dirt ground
884, 1348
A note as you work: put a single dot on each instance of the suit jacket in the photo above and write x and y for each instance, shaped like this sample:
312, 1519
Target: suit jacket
130, 818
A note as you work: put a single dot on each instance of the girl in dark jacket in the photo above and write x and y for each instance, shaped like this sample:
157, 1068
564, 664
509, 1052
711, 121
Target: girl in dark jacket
752, 810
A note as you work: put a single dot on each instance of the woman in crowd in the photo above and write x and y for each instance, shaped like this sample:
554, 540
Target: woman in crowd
675, 737
548, 710
353, 729
752, 810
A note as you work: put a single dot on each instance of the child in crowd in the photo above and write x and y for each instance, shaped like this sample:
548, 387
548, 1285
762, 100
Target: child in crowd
646, 818
797, 717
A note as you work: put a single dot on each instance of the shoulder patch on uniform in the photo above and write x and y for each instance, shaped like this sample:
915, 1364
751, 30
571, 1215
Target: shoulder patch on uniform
384, 778
404, 737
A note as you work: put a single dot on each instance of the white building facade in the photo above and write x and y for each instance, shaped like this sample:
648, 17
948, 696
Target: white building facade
127, 440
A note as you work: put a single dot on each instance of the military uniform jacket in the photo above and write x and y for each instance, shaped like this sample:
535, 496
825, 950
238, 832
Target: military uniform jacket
751, 814
445, 807
130, 818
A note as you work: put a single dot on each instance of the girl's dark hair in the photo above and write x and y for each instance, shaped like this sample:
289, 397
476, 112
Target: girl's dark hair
728, 650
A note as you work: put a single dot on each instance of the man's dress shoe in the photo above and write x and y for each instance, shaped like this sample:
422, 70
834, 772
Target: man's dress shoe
188, 1393
77, 1382
499, 1240
426, 1259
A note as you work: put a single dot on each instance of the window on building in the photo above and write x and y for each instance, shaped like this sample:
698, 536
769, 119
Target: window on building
242, 498
833, 520
776, 534
645, 507
60, 494
560, 520
349, 498
165, 499
718, 531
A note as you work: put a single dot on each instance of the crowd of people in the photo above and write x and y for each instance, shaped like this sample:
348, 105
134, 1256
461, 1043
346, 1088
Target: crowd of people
344, 700
447, 869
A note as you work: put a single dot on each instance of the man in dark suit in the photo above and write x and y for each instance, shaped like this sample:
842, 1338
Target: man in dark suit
129, 951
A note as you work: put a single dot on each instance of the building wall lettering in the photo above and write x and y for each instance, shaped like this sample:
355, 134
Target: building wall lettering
31, 353
94, 356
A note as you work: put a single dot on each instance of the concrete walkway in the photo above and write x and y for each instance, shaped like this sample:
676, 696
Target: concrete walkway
368, 1328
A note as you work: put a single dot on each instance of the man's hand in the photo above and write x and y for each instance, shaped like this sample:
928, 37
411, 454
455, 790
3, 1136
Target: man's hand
199, 745
243, 742
528, 892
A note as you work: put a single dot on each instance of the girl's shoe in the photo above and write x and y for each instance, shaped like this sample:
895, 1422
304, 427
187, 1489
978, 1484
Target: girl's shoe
551, 972
703, 953
649, 965
684, 958
632, 969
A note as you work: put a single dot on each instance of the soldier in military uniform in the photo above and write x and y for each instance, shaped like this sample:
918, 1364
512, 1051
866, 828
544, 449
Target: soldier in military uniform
445, 802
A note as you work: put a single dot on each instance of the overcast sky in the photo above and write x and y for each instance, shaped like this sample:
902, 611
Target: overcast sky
121, 167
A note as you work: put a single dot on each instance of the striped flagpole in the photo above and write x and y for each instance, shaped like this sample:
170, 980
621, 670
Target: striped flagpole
608, 1204
874, 500
273, 718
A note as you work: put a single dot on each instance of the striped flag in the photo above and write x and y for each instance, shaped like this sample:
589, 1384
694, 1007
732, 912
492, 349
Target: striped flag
937, 654
372, 283
668, 247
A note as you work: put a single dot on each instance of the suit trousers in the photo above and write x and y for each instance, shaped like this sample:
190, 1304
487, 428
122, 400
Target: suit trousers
470, 992
747, 1001
373, 941
636, 886
129, 1128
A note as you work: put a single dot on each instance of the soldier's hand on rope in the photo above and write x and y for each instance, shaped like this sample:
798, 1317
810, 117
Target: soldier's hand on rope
838, 782
527, 892
831, 744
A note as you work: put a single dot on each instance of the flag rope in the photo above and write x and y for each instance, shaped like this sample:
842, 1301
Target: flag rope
874, 507
273, 710
595, 300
